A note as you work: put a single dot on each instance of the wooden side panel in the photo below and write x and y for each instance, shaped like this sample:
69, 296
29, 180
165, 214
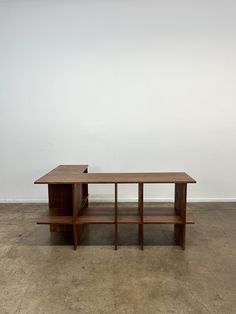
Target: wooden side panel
77, 199
116, 216
60, 196
85, 192
140, 205
180, 208
77, 207
85, 195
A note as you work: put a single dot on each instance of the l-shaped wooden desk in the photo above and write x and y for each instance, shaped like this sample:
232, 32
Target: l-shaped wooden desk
69, 207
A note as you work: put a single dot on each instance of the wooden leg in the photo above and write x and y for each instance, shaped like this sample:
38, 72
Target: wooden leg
76, 209
116, 236
139, 234
75, 236
180, 231
116, 217
140, 227
140, 202
176, 233
180, 208
85, 195
79, 229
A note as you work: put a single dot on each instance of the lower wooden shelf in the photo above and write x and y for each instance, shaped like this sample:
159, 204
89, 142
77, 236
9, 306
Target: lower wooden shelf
95, 220
163, 220
56, 216
55, 220
126, 215
130, 215
135, 219
163, 215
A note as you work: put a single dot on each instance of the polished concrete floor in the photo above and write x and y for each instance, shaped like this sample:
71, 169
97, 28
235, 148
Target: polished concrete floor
40, 272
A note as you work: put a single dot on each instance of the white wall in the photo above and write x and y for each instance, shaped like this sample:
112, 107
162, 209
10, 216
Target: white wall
128, 85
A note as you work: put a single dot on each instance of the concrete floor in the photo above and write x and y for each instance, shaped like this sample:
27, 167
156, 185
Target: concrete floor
40, 272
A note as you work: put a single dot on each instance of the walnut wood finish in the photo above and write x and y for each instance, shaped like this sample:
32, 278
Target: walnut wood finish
126, 215
76, 209
69, 207
58, 176
140, 205
60, 198
63, 174
116, 216
180, 208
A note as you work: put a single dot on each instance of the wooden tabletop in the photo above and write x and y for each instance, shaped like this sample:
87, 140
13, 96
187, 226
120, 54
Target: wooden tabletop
75, 174
61, 174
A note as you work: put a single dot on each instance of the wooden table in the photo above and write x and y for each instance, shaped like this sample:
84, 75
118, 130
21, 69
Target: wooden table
69, 207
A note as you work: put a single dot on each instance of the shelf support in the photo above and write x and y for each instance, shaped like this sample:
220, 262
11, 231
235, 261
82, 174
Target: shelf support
116, 216
77, 199
180, 209
140, 205
85, 192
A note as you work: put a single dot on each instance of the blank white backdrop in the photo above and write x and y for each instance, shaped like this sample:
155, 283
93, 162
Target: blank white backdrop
129, 85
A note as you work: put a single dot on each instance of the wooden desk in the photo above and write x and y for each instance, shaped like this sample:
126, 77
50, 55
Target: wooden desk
68, 201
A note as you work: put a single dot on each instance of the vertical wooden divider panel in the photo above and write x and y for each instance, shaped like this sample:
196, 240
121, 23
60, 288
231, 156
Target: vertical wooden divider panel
140, 205
116, 216
180, 208
60, 197
85, 193
77, 206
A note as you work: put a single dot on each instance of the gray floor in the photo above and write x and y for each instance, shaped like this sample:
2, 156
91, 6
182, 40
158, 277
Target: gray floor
40, 272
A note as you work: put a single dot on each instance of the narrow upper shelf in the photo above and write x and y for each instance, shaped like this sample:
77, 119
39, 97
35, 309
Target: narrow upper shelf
69, 174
